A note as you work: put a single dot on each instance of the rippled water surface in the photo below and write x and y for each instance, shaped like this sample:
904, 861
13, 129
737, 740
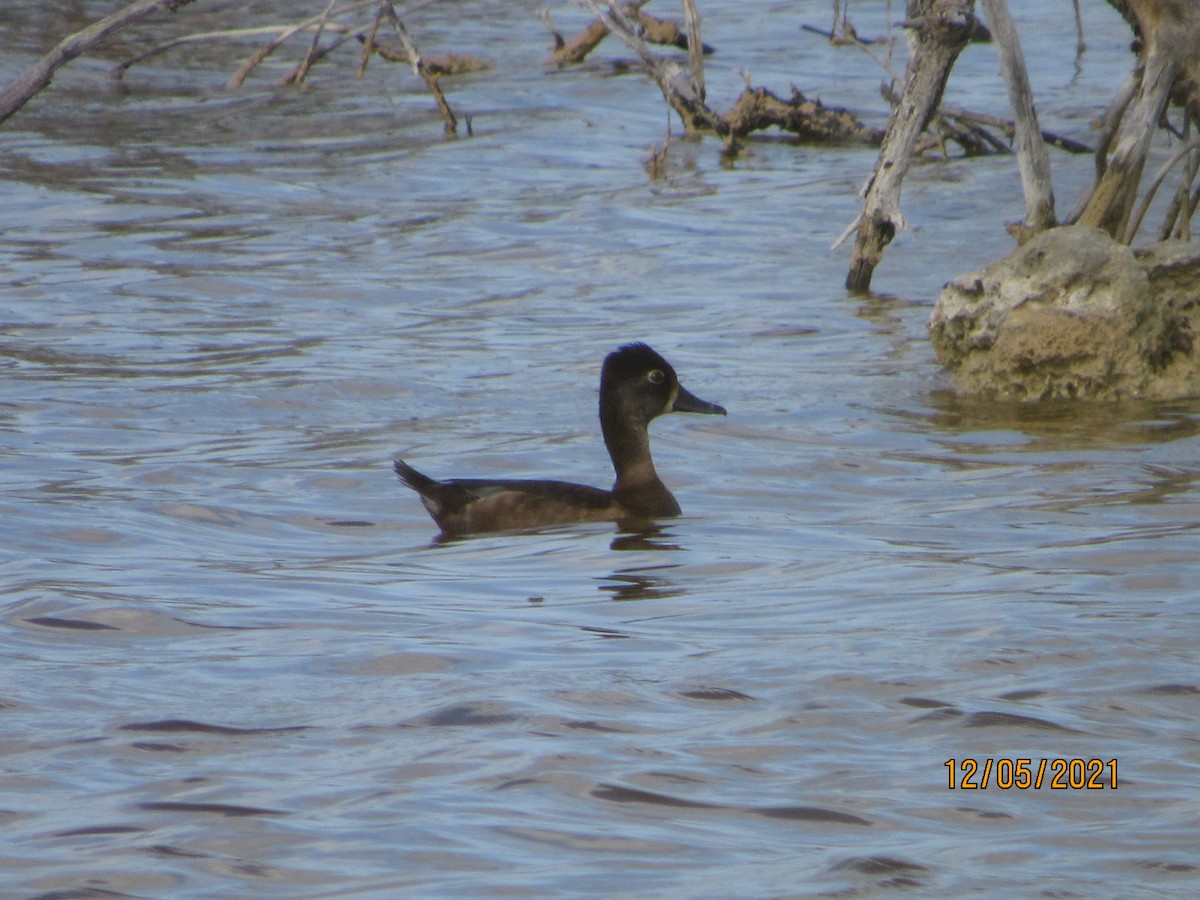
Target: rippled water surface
238, 662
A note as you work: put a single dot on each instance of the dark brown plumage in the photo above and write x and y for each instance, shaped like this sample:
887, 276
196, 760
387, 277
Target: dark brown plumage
636, 386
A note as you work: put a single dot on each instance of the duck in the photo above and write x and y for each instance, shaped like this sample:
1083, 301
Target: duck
637, 385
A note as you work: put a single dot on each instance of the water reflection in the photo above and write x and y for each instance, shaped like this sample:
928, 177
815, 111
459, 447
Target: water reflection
641, 584
644, 536
1060, 425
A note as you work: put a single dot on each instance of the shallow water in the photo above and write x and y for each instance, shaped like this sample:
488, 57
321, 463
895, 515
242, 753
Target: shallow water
240, 663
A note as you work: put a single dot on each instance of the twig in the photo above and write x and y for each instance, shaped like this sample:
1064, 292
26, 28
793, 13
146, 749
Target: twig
309, 57
1080, 43
544, 14
1113, 195
317, 54
369, 44
41, 73
1008, 127
695, 47
118, 71
1179, 213
649, 29
243, 72
252, 62
1185, 227
845, 36
676, 87
1135, 222
975, 120
418, 65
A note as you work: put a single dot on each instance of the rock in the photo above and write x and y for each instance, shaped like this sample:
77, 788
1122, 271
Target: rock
1074, 314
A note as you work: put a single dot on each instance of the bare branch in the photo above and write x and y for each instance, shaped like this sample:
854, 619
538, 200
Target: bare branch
941, 28
695, 47
118, 71
369, 44
418, 65
1135, 222
41, 73
285, 34
311, 55
675, 84
1032, 158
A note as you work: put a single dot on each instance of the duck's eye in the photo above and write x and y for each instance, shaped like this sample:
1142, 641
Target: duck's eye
656, 376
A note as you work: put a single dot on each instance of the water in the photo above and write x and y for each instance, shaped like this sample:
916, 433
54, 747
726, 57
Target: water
238, 662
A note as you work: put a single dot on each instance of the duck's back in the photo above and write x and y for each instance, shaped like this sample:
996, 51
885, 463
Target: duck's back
467, 505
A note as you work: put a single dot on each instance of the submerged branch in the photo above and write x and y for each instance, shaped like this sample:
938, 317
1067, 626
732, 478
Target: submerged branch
650, 29
419, 67
758, 109
41, 73
285, 33
298, 74
677, 87
118, 71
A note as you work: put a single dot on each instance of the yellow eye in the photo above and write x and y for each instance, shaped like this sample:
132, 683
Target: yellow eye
656, 376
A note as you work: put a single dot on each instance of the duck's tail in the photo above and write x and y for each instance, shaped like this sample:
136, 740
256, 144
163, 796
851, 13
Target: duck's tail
422, 484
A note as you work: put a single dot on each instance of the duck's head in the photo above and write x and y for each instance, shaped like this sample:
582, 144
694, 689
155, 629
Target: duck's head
637, 384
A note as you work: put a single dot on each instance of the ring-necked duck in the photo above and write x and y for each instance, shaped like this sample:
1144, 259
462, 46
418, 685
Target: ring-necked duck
636, 385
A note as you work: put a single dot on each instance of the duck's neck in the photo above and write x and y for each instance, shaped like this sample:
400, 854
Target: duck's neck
638, 486
628, 445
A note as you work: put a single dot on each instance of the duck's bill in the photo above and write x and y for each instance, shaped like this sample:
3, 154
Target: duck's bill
686, 401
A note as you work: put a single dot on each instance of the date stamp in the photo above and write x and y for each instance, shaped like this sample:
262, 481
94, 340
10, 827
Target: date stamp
969, 774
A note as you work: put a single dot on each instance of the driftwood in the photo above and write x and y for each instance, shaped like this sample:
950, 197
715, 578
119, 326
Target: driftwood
41, 73
1032, 158
1168, 32
284, 34
301, 71
939, 29
418, 66
1167, 70
449, 63
429, 70
678, 87
1008, 128
118, 71
756, 109
653, 30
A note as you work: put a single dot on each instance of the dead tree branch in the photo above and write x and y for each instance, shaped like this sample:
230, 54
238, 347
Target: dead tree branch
118, 71
285, 33
652, 30
675, 83
758, 108
449, 63
1032, 158
1187, 150
695, 47
1167, 67
419, 67
938, 30
41, 73
309, 57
